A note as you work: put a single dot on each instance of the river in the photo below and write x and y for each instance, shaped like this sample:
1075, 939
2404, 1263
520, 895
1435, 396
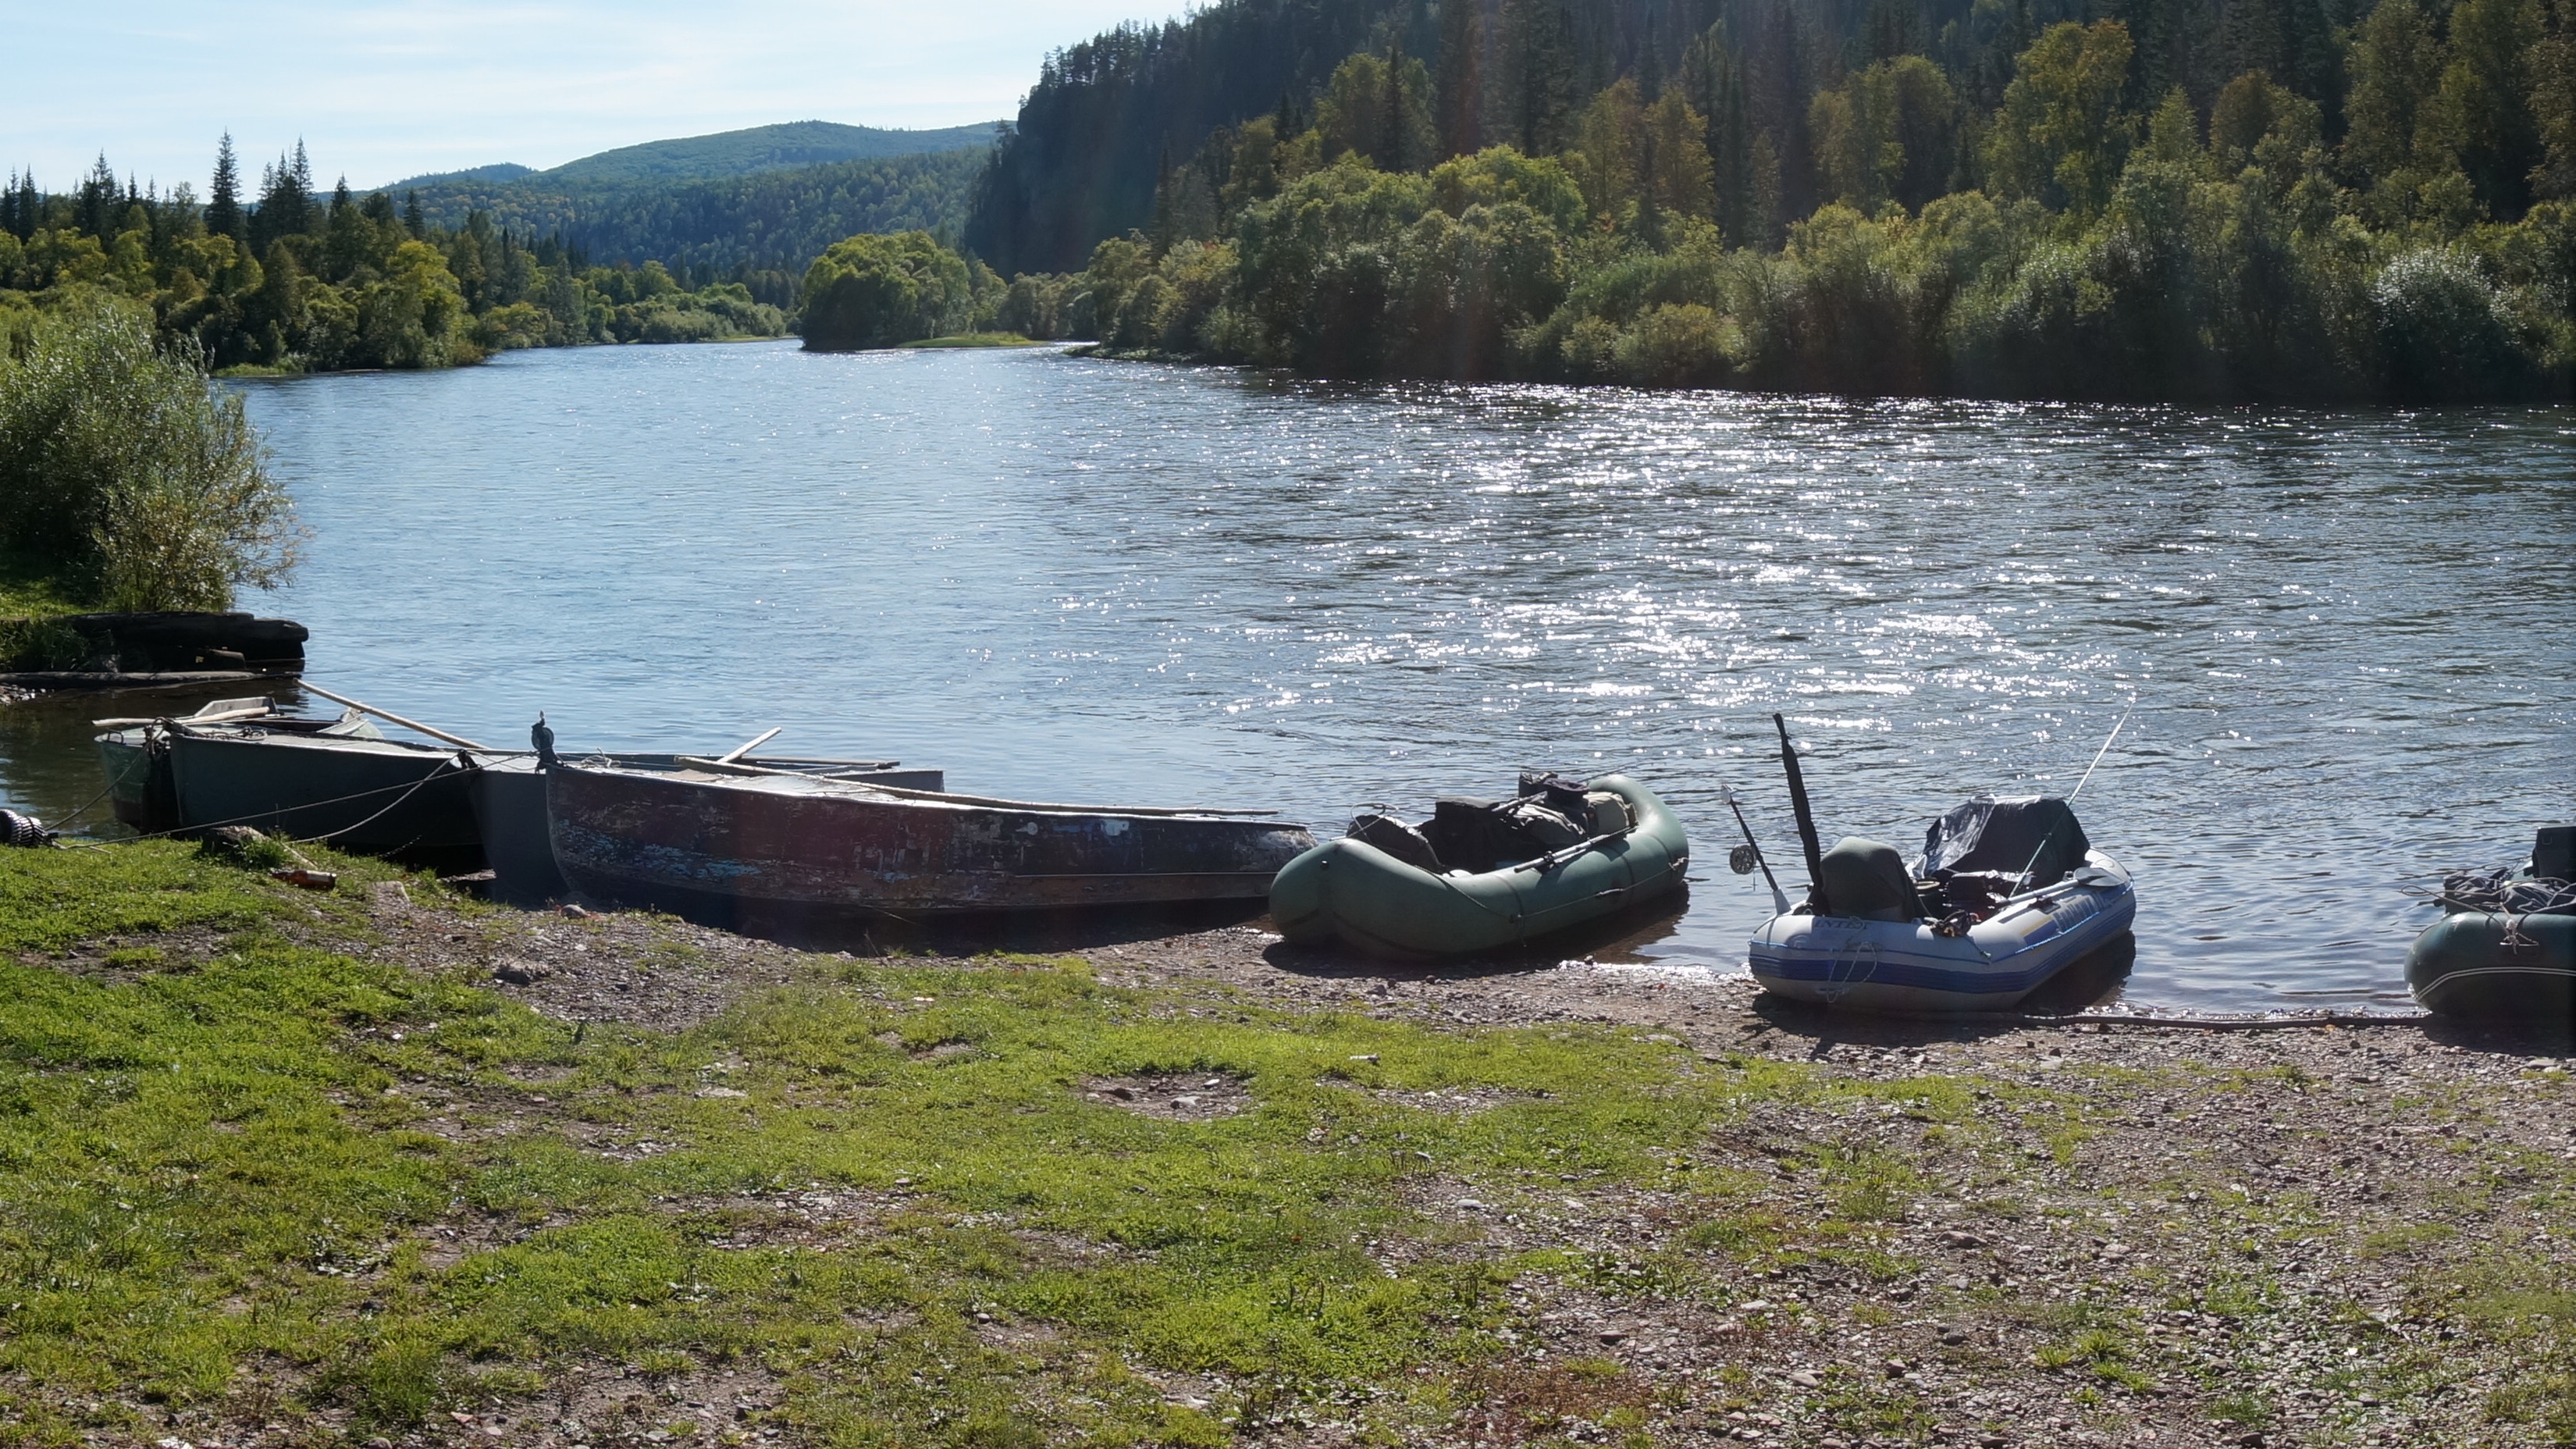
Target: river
2344, 634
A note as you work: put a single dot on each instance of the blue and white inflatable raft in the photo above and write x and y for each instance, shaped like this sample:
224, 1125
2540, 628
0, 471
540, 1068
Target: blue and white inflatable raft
2008, 893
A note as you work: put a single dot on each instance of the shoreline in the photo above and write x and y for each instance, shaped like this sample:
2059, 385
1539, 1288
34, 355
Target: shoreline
1555, 1205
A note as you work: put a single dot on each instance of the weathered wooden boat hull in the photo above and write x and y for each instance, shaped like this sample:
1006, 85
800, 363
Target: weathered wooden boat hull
784, 851
1369, 900
508, 796
375, 796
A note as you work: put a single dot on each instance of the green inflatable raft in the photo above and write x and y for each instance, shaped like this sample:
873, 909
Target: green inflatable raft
2505, 948
1482, 875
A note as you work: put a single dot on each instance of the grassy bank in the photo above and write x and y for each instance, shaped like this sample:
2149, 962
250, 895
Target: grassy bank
976, 339
283, 1168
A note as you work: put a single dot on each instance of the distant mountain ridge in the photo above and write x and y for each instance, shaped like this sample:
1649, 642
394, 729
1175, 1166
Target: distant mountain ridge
786, 146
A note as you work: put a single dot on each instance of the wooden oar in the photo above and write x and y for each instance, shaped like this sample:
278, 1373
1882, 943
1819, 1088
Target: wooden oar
392, 718
738, 751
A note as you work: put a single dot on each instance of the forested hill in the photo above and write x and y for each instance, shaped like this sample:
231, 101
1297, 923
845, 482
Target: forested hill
783, 147
1106, 114
2465, 86
722, 228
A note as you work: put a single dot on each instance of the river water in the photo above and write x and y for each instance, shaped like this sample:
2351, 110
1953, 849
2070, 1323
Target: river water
2344, 635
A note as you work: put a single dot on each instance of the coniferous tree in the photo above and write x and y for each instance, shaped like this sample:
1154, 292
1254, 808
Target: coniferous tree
97, 204
1458, 82
2553, 102
1538, 75
223, 200
412, 221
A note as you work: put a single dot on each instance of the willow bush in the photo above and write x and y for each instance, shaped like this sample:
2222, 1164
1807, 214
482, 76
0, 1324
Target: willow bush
126, 474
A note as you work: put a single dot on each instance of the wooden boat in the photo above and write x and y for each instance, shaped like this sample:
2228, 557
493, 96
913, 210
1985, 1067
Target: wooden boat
508, 795
2505, 947
1481, 876
764, 849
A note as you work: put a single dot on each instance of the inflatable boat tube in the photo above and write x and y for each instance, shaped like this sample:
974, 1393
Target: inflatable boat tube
2497, 967
1907, 967
1352, 891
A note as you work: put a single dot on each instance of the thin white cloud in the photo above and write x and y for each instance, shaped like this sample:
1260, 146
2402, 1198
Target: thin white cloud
384, 90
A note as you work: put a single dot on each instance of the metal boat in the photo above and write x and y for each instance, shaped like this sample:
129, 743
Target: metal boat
508, 795
766, 849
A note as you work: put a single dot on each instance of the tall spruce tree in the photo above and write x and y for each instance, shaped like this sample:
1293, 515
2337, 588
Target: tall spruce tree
1538, 75
223, 199
1458, 79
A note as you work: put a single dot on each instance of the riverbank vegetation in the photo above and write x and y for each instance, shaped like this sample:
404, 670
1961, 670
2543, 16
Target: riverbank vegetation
127, 480
2245, 201
283, 1168
293, 281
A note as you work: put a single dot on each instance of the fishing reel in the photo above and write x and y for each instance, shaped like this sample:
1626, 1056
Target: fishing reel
1743, 860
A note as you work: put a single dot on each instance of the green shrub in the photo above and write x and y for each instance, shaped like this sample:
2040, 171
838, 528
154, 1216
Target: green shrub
125, 471
2442, 334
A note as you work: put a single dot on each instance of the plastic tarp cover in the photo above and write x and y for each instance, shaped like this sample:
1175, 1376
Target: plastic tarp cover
1986, 834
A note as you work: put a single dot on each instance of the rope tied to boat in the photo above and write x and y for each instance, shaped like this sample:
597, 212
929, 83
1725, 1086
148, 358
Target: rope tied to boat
447, 770
2500, 892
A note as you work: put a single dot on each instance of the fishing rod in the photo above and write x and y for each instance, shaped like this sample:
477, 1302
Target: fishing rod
2051, 833
2098, 754
1745, 860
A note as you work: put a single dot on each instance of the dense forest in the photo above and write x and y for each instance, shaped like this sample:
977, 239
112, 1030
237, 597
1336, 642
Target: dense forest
2160, 198
288, 279
761, 229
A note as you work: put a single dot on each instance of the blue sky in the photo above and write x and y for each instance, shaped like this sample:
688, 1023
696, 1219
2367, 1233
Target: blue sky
380, 91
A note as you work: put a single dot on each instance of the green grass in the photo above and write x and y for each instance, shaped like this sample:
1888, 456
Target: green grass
976, 339
32, 589
224, 1161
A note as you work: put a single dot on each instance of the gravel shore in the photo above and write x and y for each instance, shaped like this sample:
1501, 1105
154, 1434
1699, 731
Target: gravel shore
1897, 1233
2149, 1235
